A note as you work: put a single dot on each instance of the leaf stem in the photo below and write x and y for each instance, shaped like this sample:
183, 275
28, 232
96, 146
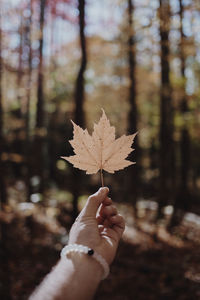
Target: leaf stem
101, 174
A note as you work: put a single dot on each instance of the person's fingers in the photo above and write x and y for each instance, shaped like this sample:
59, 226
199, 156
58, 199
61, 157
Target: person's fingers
109, 211
99, 216
101, 228
107, 201
94, 202
107, 222
105, 212
118, 224
100, 219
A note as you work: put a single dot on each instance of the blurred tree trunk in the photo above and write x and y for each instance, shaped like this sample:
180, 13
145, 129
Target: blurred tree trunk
4, 249
3, 196
182, 197
28, 96
20, 71
166, 164
79, 87
40, 92
79, 99
40, 113
132, 118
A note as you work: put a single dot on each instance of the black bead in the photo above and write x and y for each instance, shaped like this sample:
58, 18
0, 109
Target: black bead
90, 252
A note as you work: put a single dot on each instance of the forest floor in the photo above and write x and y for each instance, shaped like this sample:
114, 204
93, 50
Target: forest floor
151, 263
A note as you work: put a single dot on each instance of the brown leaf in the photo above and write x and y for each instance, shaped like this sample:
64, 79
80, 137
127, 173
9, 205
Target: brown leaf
100, 151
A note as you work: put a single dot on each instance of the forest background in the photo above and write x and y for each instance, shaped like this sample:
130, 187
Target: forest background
67, 59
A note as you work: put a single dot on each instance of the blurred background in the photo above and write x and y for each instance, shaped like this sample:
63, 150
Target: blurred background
140, 62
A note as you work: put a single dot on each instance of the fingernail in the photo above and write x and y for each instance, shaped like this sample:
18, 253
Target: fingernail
103, 190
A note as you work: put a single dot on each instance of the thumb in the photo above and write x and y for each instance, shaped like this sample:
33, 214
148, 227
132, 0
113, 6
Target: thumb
94, 202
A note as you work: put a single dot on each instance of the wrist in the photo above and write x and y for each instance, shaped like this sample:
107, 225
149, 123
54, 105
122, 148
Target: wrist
81, 249
83, 264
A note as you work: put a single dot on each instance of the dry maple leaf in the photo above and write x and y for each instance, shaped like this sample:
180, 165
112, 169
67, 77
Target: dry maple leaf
100, 151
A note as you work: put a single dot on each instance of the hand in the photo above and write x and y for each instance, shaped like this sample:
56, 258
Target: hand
98, 226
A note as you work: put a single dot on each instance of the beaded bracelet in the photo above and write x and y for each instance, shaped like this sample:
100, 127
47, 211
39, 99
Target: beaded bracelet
84, 249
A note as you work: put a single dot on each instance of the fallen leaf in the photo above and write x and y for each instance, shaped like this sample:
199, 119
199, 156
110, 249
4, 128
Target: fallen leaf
100, 151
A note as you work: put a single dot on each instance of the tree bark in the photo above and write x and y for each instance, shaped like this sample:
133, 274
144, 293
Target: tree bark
79, 87
182, 197
28, 97
185, 138
39, 143
4, 253
79, 99
40, 92
166, 165
19, 71
3, 195
132, 117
